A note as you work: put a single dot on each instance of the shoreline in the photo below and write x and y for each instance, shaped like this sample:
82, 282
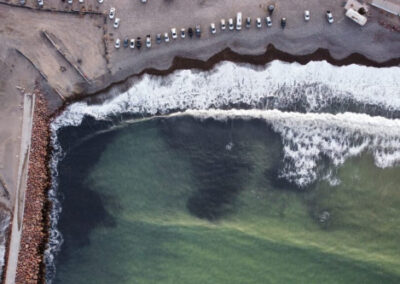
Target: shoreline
33, 257
30, 60
271, 54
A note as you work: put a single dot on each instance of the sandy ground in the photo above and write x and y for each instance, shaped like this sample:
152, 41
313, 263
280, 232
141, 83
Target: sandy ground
81, 57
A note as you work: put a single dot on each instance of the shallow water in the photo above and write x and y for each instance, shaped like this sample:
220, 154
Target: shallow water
167, 201
298, 184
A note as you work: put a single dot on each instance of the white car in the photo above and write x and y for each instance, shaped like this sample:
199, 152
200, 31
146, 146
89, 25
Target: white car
132, 43
174, 34
223, 26
144, 1
230, 24
166, 37
329, 16
100, 1
268, 21
239, 21
212, 28
81, 1
111, 15
258, 23
183, 35
117, 43
40, 3
69, 2
116, 23
148, 41
306, 15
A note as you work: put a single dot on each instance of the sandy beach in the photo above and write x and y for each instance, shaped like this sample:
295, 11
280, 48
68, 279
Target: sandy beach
67, 53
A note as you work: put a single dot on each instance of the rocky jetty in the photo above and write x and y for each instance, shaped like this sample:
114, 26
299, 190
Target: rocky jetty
34, 235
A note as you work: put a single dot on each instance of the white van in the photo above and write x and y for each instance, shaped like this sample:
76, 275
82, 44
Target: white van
356, 17
239, 21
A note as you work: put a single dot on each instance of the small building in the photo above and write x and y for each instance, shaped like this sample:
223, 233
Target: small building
362, 9
356, 11
388, 6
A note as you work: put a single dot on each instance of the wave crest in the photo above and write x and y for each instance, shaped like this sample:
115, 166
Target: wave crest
307, 137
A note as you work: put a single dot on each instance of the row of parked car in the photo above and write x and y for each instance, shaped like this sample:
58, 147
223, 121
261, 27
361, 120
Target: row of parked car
41, 2
132, 43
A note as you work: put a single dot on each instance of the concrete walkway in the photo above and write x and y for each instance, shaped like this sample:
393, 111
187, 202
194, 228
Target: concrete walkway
18, 215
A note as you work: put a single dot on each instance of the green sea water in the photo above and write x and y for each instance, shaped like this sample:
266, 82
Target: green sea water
187, 201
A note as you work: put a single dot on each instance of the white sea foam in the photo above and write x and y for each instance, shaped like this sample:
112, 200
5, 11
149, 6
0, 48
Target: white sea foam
55, 237
308, 136
317, 83
305, 136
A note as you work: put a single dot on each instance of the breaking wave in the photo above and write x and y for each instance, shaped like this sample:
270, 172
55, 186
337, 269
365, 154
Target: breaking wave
307, 137
310, 88
318, 109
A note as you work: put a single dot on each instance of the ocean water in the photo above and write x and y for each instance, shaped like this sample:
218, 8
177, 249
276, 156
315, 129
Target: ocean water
280, 174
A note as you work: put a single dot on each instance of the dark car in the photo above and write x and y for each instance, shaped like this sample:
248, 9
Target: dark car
158, 38
138, 42
248, 22
198, 31
126, 42
283, 23
190, 32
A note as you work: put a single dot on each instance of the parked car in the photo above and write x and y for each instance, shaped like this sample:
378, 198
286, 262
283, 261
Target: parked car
183, 35
111, 15
148, 41
69, 1
100, 1
230, 24
306, 15
166, 37
223, 26
22, 2
143, 1
126, 42
81, 1
132, 43
138, 42
283, 23
268, 21
117, 43
190, 32
329, 16
239, 21
258, 23
248, 22
212, 28
198, 31
174, 34
158, 38
40, 3
116, 23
